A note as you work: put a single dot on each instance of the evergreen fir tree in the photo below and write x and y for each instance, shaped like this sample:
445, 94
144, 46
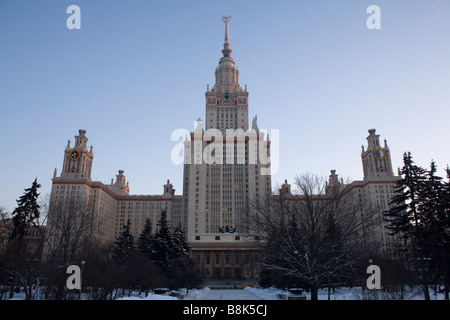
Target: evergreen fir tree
403, 217
124, 247
27, 213
435, 215
146, 238
181, 269
411, 213
180, 247
162, 243
446, 243
432, 213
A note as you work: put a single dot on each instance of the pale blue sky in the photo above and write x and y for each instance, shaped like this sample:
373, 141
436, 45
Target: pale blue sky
137, 70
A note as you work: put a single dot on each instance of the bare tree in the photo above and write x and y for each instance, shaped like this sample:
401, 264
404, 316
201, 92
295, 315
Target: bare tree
70, 238
5, 229
316, 237
5, 233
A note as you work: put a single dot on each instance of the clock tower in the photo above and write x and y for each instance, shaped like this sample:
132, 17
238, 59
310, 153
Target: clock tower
376, 159
77, 159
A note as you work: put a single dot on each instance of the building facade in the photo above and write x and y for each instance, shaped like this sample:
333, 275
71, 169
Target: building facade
371, 195
377, 187
110, 206
226, 168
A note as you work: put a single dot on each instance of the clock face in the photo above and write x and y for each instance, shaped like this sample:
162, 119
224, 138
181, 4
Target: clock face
226, 96
75, 154
379, 154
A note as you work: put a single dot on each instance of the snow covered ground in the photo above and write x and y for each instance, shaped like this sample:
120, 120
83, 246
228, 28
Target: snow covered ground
213, 294
249, 293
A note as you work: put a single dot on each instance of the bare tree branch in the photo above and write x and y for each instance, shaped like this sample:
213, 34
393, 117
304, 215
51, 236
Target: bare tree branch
317, 236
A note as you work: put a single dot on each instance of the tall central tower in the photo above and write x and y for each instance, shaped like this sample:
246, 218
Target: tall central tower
226, 102
223, 175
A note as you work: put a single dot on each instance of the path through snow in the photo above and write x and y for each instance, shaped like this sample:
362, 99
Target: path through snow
228, 294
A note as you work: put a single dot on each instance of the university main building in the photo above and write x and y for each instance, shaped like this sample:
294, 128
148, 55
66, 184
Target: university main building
218, 188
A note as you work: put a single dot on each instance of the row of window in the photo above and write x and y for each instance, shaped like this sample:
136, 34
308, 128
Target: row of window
227, 259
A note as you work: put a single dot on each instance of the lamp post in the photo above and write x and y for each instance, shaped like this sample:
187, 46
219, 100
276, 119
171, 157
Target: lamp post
374, 292
81, 278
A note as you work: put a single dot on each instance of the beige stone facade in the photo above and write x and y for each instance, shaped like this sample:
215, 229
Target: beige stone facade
377, 187
219, 184
226, 168
109, 206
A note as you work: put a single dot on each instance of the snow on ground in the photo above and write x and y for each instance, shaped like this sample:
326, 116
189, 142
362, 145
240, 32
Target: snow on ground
193, 294
250, 293
151, 296
247, 293
255, 293
266, 294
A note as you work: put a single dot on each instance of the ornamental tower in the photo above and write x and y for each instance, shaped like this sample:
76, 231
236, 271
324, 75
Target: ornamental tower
226, 102
78, 160
377, 189
376, 159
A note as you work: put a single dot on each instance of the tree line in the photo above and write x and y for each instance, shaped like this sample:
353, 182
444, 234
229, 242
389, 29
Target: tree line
323, 237
420, 215
35, 252
152, 260
315, 238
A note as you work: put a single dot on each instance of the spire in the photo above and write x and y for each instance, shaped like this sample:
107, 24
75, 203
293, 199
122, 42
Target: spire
226, 46
255, 122
227, 75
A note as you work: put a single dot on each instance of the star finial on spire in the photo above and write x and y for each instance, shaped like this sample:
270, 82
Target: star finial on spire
226, 46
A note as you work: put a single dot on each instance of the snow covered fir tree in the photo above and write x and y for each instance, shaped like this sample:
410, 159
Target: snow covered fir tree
165, 254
